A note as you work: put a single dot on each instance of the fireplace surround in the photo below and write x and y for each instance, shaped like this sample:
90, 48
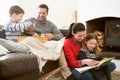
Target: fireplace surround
110, 26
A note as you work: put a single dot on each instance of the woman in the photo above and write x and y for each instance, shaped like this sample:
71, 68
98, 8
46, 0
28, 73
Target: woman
72, 45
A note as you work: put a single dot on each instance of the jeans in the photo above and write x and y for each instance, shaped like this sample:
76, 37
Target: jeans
88, 76
112, 67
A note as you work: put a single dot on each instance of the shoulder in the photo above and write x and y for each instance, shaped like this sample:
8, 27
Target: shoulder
8, 23
68, 41
50, 23
82, 50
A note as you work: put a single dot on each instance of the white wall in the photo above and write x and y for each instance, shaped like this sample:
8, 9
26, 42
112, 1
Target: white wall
90, 9
4, 14
61, 12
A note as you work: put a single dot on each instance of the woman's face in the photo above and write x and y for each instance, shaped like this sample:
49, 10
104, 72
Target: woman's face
91, 44
79, 36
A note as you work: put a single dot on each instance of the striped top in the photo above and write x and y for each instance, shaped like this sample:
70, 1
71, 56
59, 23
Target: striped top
13, 30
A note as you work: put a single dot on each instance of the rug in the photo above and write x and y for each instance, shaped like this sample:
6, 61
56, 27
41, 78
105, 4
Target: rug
56, 75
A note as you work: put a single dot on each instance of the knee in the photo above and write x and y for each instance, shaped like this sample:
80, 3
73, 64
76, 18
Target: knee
87, 76
112, 66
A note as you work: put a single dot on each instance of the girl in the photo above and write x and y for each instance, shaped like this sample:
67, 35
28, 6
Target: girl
90, 50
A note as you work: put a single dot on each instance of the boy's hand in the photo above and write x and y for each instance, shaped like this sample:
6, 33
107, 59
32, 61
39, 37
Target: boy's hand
30, 28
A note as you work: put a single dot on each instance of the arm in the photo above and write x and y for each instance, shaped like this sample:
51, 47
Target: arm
56, 33
85, 60
13, 27
72, 60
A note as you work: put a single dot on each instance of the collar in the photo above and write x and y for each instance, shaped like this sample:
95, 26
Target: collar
41, 22
75, 41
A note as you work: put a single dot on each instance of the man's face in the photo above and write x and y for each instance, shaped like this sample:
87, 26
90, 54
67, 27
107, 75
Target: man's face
42, 14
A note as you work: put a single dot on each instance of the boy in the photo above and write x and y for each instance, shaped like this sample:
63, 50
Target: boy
14, 27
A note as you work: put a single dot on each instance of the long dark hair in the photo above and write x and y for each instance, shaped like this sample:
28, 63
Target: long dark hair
97, 49
75, 27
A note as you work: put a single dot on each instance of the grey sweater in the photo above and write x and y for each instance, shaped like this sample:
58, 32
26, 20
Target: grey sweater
46, 27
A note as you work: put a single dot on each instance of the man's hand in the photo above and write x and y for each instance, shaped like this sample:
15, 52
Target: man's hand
35, 35
49, 36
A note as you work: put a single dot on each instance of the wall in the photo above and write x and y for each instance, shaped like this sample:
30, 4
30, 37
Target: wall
61, 11
90, 9
4, 8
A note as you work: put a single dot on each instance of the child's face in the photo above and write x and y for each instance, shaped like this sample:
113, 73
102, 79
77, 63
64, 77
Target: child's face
91, 44
18, 18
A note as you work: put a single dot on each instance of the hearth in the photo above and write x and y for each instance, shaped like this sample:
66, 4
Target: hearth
109, 26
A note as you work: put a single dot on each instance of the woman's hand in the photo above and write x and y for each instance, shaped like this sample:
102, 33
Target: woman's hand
89, 62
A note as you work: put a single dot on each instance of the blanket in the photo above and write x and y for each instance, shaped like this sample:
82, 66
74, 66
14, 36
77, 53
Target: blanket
50, 50
3, 50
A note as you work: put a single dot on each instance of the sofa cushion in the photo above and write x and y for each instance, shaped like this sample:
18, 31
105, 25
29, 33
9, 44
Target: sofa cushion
17, 64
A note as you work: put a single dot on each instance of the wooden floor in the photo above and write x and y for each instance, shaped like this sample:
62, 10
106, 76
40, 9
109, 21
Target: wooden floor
45, 77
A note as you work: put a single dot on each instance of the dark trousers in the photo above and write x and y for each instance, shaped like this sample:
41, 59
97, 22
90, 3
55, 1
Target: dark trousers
95, 75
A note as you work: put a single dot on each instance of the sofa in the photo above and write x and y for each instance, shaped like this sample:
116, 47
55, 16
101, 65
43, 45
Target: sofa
22, 66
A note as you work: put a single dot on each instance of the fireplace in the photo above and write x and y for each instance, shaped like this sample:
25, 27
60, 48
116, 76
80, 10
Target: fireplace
110, 26
112, 33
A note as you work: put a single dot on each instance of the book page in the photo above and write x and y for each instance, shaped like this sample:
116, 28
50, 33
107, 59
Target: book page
83, 69
104, 61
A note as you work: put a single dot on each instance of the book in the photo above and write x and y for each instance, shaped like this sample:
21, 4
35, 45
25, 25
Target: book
104, 61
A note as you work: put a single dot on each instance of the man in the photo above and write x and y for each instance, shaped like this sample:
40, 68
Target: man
44, 26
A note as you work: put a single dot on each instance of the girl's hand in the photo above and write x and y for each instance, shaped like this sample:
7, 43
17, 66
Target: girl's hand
89, 62
97, 68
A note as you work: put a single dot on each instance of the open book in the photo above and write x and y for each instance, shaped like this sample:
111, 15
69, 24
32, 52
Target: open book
103, 62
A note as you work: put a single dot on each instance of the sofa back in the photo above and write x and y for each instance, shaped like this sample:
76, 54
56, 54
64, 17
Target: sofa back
64, 31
